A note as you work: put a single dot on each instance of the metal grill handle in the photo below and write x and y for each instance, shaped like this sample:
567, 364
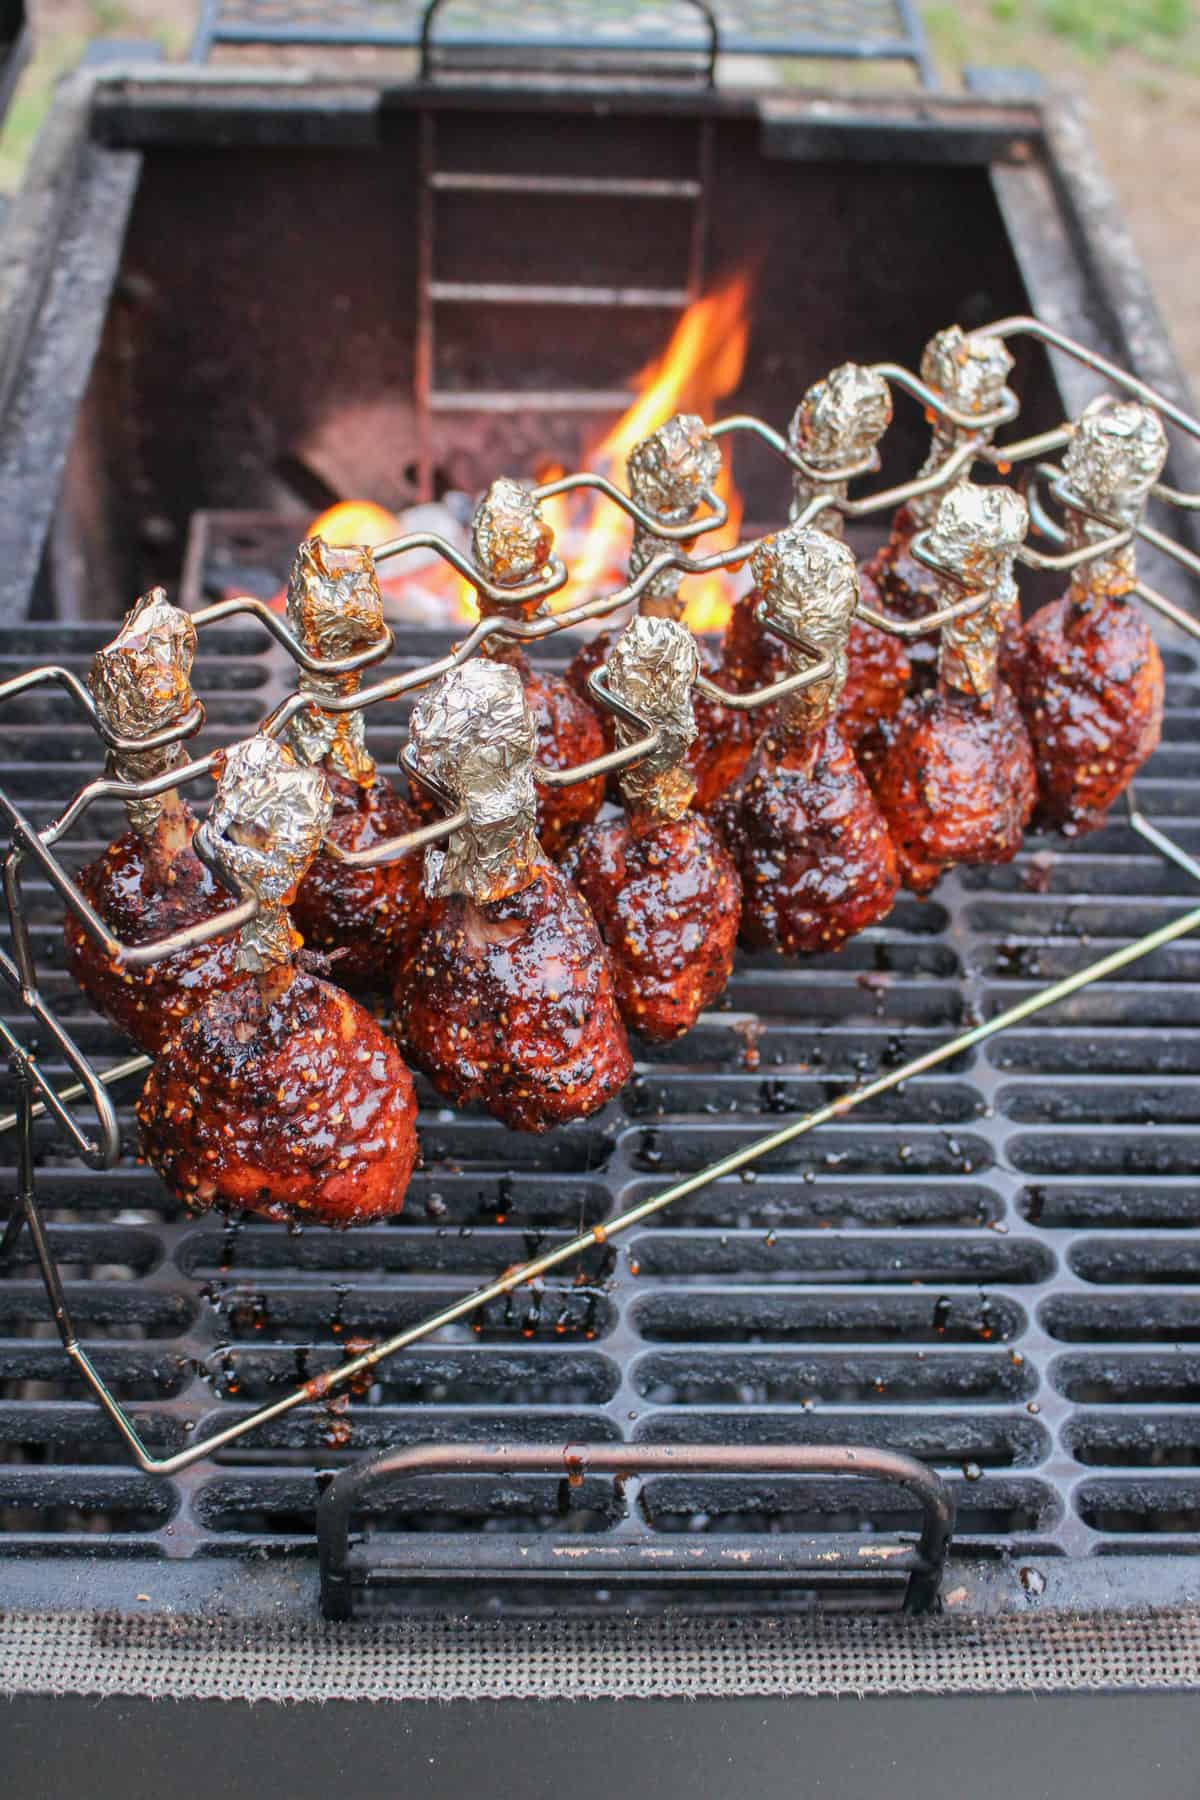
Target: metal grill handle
923, 1562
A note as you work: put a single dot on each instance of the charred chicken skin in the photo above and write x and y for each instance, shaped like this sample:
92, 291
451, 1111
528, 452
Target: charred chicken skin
813, 853
954, 776
364, 918
1091, 678
286, 1099
149, 884
506, 1000
669, 473
280, 1094
661, 888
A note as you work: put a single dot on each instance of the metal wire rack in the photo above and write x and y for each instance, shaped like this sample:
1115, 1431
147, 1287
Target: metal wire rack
96, 1138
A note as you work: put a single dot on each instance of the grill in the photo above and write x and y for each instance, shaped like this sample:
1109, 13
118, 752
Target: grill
992, 1269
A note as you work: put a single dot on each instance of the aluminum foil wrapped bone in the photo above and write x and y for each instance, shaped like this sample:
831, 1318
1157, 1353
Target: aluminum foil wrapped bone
510, 540
267, 821
971, 372
977, 534
473, 735
1116, 454
668, 473
141, 683
335, 609
809, 581
839, 422
651, 668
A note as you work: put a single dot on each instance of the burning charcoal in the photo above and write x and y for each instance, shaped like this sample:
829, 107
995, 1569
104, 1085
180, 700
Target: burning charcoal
955, 780
279, 1095
665, 895
368, 917
837, 424
969, 371
507, 998
813, 853
149, 883
1091, 678
668, 474
511, 542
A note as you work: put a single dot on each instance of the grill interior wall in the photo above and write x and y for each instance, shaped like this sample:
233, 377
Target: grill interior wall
994, 1269
259, 352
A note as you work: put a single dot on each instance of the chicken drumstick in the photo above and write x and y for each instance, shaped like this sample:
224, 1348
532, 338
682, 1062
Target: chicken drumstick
279, 1094
664, 893
149, 883
955, 779
1091, 678
506, 999
801, 825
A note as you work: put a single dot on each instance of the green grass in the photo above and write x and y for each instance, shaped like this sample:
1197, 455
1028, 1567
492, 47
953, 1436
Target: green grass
1098, 26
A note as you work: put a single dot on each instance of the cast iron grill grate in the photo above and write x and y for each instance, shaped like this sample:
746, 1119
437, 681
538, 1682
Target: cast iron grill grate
994, 1269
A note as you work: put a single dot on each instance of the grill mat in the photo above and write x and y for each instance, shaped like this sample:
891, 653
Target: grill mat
993, 1269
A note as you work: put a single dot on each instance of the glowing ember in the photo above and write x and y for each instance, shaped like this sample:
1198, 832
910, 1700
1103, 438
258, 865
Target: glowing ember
353, 522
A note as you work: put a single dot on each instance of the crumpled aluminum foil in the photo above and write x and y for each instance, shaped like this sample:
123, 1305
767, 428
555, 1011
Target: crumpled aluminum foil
651, 668
510, 539
267, 821
668, 473
971, 372
141, 683
1115, 456
335, 608
839, 421
977, 534
809, 581
472, 734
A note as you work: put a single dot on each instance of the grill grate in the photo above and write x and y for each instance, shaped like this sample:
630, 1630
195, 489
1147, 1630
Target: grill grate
994, 1269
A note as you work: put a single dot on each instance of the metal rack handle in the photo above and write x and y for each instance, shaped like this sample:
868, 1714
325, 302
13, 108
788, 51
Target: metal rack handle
701, 6
923, 1562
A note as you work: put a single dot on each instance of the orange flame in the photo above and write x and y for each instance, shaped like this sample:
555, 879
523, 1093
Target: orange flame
700, 366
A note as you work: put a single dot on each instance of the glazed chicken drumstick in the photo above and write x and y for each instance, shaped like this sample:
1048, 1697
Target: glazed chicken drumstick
955, 778
837, 424
367, 916
149, 883
279, 1094
669, 473
664, 893
1091, 678
506, 1000
800, 823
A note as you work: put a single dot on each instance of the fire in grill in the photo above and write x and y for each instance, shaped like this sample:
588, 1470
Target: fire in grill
933, 1281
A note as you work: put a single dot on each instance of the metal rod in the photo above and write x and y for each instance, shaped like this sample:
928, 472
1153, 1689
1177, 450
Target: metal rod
132, 1065
321, 1385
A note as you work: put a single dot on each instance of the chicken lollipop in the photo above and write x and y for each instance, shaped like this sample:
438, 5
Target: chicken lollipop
507, 998
955, 781
149, 883
279, 1094
669, 473
367, 916
837, 424
801, 825
1091, 679
664, 893
512, 541
969, 371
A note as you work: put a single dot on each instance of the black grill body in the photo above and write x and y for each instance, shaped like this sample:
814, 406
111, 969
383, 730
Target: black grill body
992, 1268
